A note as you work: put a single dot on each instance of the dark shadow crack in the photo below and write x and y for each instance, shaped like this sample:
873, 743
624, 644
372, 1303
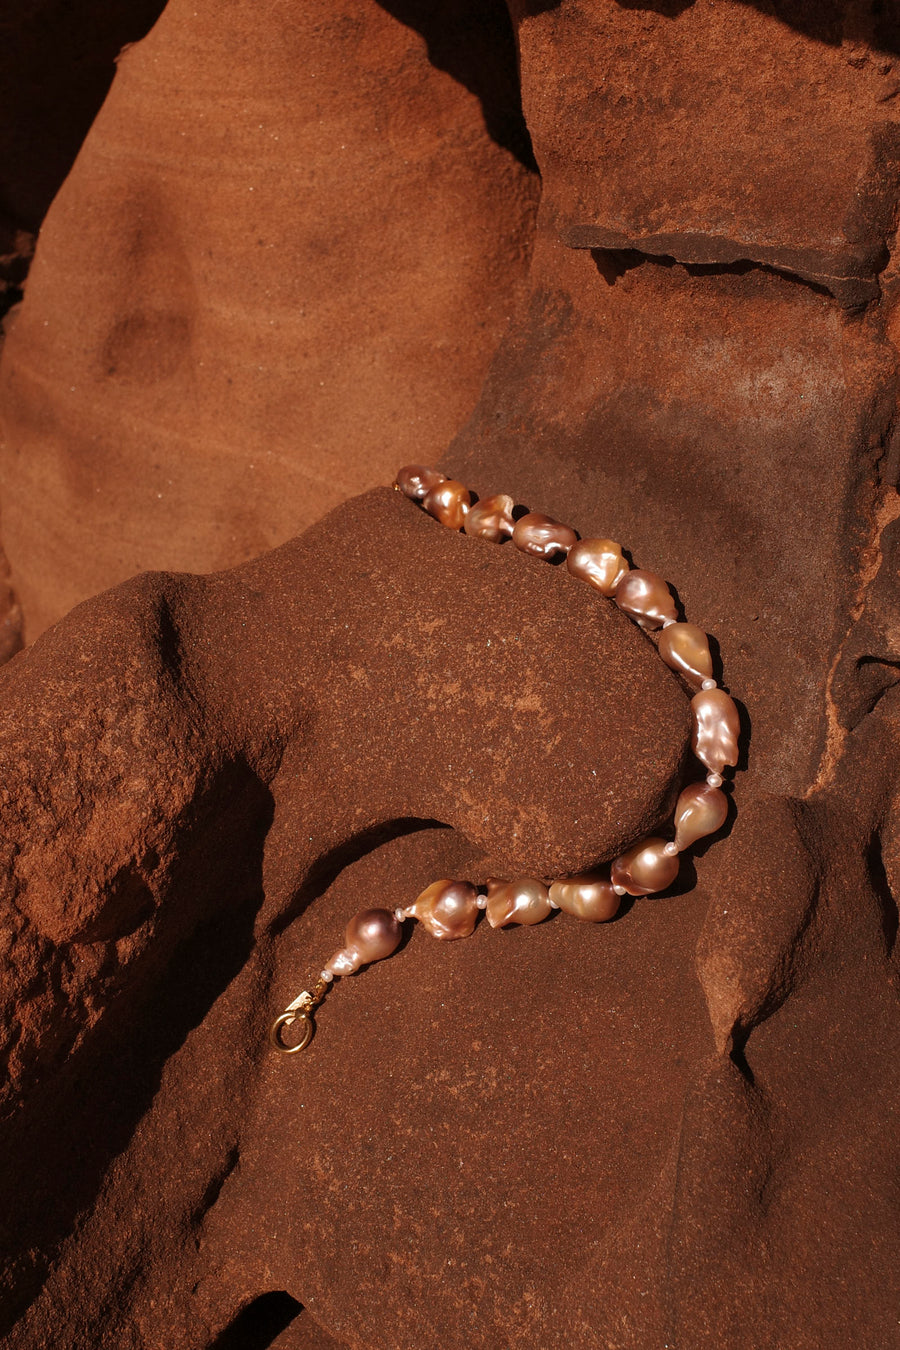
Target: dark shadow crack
890, 917
326, 868
874, 677
260, 1323
214, 1186
473, 41
849, 275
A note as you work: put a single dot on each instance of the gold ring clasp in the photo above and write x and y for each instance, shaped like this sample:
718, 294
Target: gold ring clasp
300, 1010
286, 1019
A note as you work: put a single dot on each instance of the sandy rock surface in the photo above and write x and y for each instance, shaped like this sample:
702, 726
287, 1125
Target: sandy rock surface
223, 751
290, 246
677, 1129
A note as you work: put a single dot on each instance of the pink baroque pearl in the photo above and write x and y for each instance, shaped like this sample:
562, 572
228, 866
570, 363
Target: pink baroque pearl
542, 536
717, 726
414, 480
587, 896
645, 597
685, 647
599, 562
645, 867
370, 935
448, 502
523, 901
700, 810
491, 518
448, 909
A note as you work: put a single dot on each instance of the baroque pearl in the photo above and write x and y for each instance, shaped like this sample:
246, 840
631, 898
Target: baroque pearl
587, 896
700, 810
523, 901
714, 739
491, 518
599, 562
448, 909
370, 935
448, 502
414, 480
685, 647
542, 536
646, 598
645, 867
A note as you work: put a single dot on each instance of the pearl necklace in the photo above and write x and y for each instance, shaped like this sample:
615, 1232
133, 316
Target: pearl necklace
449, 909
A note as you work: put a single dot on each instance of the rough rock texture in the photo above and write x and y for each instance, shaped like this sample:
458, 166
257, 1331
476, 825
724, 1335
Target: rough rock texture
284, 231
678, 1129
731, 422
209, 755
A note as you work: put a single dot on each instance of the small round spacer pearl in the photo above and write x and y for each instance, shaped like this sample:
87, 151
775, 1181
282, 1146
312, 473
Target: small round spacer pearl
327, 976
400, 914
620, 890
667, 623
714, 779
709, 684
554, 905
482, 902
671, 848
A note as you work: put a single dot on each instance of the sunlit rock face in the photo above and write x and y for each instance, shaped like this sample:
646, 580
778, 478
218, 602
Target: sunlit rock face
278, 269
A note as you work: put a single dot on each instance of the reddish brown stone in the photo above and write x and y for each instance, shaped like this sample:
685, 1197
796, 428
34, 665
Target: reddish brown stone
206, 748
281, 236
673, 1129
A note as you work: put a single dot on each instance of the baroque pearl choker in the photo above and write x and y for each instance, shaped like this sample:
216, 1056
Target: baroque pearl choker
449, 908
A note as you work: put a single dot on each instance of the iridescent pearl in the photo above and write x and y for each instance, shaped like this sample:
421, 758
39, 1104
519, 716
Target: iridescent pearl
414, 480
587, 896
645, 867
644, 596
523, 901
370, 935
448, 502
700, 810
714, 739
448, 909
685, 647
491, 518
599, 562
542, 536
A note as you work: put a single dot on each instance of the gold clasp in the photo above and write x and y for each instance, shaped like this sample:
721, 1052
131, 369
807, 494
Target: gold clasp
301, 1010
298, 1011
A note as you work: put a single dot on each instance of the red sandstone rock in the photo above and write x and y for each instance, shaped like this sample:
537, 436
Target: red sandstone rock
673, 1129
278, 270
226, 745
711, 417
